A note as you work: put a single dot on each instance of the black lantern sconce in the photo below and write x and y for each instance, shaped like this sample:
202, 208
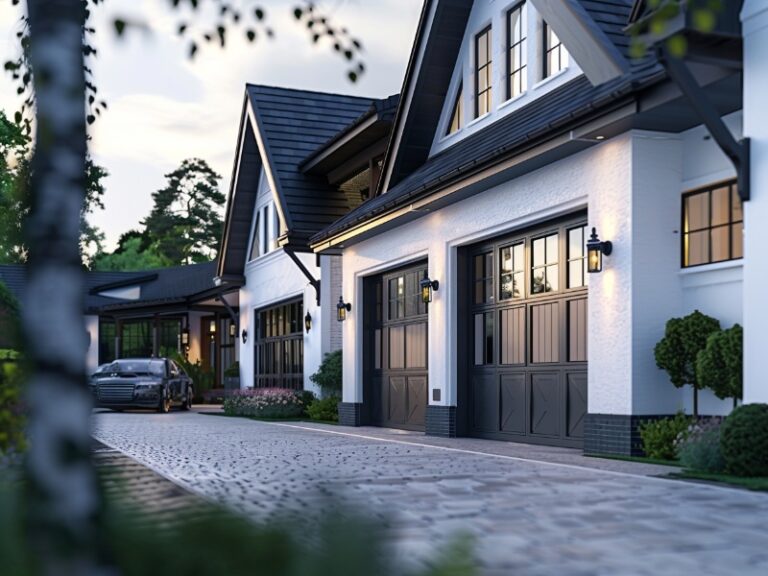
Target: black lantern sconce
244, 335
341, 309
308, 321
427, 287
185, 337
595, 251
212, 328
232, 331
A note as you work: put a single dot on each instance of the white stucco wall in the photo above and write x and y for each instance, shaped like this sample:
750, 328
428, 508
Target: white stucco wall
92, 356
755, 27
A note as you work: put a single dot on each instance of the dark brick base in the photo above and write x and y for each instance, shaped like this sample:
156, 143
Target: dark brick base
350, 414
441, 421
615, 434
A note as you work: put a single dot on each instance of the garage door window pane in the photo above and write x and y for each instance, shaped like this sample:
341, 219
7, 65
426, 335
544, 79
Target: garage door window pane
544, 276
483, 278
512, 260
483, 338
577, 261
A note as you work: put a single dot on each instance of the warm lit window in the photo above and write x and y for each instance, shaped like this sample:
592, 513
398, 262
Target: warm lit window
483, 72
517, 50
458, 112
577, 257
713, 225
512, 271
555, 55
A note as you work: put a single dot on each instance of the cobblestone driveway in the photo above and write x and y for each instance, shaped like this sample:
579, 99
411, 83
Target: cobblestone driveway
528, 517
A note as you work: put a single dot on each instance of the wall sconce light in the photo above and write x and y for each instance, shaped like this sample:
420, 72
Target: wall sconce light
232, 330
341, 309
308, 322
185, 337
595, 251
427, 287
244, 335
212, 327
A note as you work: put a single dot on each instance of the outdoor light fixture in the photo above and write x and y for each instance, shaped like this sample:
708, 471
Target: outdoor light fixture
185, 337
341, 309
232, 330
244, 335
595, 251
427, 286
308, 322
212, 327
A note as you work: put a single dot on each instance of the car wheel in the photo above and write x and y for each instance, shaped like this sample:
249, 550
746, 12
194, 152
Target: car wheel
188, 401
165, 404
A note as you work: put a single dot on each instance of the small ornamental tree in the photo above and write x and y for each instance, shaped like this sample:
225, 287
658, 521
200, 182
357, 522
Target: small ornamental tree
677, 352
719, 366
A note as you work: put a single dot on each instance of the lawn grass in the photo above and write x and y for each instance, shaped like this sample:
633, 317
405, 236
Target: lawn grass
302, 419
757, 484
638, 459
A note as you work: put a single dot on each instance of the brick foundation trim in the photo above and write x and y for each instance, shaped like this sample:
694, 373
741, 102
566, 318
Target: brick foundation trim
441, 421
350, 414
617, 434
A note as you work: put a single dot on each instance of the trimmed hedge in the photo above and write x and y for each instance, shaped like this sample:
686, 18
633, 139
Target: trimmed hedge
324, 409
661, 436
270, 403
744, 440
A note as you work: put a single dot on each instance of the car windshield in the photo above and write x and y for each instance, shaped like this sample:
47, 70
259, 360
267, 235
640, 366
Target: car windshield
136, 367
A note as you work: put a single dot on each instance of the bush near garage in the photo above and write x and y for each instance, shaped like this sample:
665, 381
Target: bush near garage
269, 403
744, 441
328, 375
699, 449
326, 409
660, 436
719, 366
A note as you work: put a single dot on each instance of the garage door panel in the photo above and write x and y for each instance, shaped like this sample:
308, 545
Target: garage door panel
397, 404
576, 403
417, 400
485, 403
545, 401
513, 403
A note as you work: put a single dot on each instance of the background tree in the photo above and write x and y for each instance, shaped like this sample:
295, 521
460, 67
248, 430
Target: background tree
133, 252
185, 222
720, 365
677, 352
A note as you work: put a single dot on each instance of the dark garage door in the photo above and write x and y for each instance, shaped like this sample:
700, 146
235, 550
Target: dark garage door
526, 341
397, 350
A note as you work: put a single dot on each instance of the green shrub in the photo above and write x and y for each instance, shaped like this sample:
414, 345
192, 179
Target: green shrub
700, 450
324, 409
744, 440
720, 365
233, 371
328, 376
677, 352
202, 378
659, 436
11, 413
270, 403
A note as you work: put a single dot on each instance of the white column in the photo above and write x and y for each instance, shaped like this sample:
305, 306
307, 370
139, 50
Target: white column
755, 28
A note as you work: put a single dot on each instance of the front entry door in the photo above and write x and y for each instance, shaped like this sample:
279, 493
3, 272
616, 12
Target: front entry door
398, 354
527, 336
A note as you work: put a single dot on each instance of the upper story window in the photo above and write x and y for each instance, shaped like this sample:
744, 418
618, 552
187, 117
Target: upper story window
713, 225
517, 50
458, 112
483, 72
555, 56
266, 229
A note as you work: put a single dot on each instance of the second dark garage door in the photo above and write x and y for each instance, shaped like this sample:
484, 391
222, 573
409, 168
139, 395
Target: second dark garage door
526, 346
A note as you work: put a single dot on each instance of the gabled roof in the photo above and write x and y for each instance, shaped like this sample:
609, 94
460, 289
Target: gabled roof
279, 128
179, 283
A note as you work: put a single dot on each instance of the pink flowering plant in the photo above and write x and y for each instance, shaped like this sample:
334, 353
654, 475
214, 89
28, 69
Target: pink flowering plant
266, 403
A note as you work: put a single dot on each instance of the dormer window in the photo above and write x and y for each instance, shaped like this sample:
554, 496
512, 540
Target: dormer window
483, 72
555, 56
266, 229
517, 50
458, 112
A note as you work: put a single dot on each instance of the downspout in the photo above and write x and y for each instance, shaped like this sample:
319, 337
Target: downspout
737, 152
312, 280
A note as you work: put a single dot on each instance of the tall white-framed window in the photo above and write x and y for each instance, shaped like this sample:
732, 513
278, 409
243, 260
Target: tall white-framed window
266, 229
517, 50
554, 55
483, 72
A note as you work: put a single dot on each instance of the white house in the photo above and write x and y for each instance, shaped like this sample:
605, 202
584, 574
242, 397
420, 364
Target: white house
522, 127
304, 159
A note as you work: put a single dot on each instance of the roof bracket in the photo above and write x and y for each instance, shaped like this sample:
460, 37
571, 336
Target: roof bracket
737, 151
230, 310
312, 280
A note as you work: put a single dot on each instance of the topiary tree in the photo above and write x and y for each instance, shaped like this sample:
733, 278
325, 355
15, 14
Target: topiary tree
676, 353
328, 376
744, 440
720, 365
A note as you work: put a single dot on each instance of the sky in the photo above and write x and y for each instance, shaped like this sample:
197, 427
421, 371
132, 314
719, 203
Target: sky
164, 107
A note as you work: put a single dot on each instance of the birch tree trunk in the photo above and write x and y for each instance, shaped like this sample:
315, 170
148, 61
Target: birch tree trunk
63, 500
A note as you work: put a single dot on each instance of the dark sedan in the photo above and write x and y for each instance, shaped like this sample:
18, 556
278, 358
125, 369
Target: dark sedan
155, 383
